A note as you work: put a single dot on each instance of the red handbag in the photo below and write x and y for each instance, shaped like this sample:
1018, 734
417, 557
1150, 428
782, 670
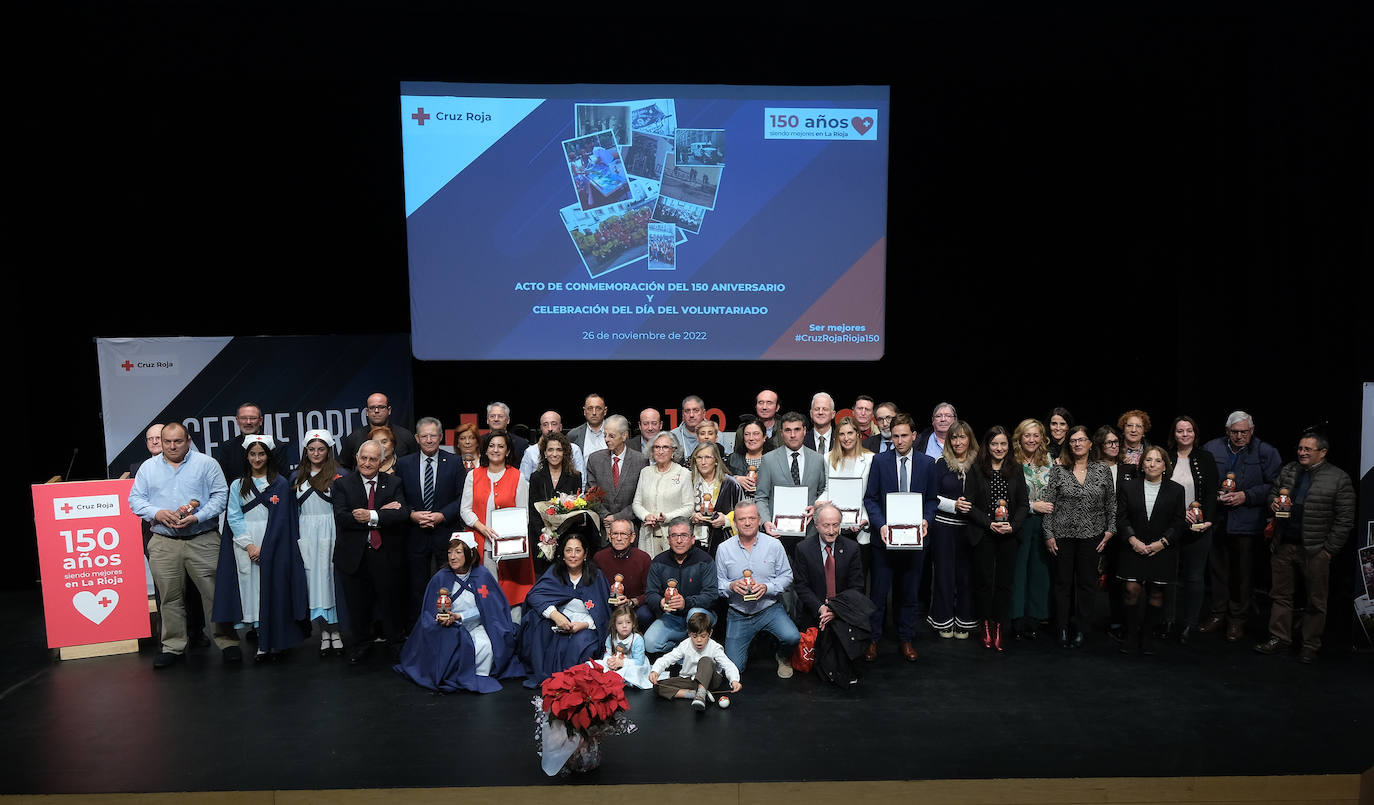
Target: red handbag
804, 655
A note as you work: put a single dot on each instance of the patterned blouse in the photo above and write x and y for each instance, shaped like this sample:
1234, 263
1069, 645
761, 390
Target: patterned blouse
1081, 511
1037, 475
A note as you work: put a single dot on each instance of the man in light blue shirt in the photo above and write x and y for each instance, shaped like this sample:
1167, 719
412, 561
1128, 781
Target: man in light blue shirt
181, 494
754, 600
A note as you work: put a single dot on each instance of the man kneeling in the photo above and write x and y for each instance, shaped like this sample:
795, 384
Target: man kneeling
705, 669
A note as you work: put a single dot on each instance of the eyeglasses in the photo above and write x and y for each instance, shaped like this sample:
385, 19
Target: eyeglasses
663, 447
1239, 432
884, 418
1111, 443
1309, 449
378, 407
1079, 440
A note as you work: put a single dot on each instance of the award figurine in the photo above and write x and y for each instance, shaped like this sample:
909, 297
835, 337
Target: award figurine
749, 585
1195, 509
617, 590
1285, 504
1228, 485
752, 474
186, 510
671, 592
443, 605
706, 510
1000, 514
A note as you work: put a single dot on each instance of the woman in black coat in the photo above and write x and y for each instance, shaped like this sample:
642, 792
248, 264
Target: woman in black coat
999, 486
1151, 524
1196, 471
555, 475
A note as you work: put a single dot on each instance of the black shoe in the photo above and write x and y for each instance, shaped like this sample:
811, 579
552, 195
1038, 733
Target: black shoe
1117, 632
1308, 656
231, 654
166, 659
1078, 640
262, 657
1064, 641
198, 640
359, 654
1272, 646
1185, 634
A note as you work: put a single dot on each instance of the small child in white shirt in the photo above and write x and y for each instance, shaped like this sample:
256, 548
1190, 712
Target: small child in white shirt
625, 649
705, 670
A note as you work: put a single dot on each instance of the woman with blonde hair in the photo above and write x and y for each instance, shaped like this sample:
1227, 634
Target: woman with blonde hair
848, 458
951, 559
715, 494
1030, 589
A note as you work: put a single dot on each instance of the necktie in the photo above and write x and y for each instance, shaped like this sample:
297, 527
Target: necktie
796, 471
429, 483
820, 445
615, 471
904, 485
374, 537
829, 571
887, 445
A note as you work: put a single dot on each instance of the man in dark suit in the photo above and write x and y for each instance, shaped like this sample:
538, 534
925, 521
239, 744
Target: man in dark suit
821, 435
815, 585
616, 471
231, 452
498, 418
793, 464
881, 442
370, 516
377, 413
900, 469
432, 480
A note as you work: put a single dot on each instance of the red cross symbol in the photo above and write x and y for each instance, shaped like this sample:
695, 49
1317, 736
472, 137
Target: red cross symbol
66, 508
590, 603
128, 367
105, 601
420, 116
482, 591
275, 500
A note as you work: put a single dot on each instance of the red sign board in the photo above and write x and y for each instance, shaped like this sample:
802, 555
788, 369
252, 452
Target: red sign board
90, 554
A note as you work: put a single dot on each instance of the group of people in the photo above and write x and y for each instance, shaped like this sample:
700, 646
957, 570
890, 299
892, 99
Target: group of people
1014, 530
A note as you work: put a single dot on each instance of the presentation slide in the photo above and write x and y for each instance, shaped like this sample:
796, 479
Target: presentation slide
678, 222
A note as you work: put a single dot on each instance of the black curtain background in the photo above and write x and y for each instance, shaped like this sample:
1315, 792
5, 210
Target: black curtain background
1164, 208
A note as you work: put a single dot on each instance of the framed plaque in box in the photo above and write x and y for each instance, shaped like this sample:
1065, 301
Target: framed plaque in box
512, 533
847, 493
789, 510
905, 511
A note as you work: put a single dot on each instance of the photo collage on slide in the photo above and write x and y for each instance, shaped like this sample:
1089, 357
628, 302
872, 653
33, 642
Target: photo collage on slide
640, 183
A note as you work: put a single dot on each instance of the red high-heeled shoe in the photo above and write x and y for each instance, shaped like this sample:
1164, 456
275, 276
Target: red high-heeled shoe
997, 637
987, 634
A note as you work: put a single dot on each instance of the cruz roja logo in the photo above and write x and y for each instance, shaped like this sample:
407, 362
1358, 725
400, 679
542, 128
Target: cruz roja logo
420, 116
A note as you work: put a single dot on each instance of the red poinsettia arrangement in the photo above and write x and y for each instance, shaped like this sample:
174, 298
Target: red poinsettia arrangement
584, 696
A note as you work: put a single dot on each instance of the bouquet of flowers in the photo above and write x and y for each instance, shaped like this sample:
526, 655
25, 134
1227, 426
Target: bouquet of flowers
574, 710
561, 508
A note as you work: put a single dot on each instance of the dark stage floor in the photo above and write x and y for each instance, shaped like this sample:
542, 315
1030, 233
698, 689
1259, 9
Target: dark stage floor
113, 725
